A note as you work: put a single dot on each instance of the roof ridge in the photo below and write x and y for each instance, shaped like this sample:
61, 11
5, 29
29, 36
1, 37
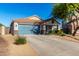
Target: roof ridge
33, 16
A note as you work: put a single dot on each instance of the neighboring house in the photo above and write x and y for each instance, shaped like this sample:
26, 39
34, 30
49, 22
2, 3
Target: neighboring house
7, 30
2, 30
23, 26
71, 26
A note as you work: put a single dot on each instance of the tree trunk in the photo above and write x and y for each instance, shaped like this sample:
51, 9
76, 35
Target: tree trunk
75, 31
76, 26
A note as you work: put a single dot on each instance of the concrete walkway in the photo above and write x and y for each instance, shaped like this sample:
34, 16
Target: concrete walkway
53, 46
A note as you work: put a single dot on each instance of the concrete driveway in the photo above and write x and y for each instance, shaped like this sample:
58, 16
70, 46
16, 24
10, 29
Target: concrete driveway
53, 46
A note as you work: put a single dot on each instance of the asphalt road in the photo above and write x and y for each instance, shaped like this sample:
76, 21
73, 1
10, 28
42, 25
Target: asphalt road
53, 46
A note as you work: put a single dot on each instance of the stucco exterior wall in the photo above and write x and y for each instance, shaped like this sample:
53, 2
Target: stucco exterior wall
2, 30
15, 26
15, 32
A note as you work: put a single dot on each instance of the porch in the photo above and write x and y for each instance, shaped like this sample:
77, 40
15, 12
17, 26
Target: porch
45, 28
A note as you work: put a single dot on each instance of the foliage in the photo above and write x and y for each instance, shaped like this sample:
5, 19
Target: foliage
60, 32
52, 31
20, 40
59, 11
63, 10
57, 32
1, 25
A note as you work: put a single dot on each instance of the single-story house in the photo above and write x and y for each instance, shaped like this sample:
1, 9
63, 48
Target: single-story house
32, 25
72, 25
23, 26
2, 30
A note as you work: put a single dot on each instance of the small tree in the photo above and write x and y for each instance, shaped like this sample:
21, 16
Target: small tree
1, 24
65, 10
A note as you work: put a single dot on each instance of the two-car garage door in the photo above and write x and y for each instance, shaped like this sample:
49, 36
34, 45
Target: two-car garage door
25, 29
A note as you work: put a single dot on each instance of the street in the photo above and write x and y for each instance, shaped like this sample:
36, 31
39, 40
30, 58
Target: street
49, 45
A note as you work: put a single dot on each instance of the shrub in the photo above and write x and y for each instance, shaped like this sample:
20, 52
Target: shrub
20, 40
54, 31
60, 32
50, 32
57, 32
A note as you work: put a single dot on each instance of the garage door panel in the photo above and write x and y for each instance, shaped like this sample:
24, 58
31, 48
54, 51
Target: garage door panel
25, 29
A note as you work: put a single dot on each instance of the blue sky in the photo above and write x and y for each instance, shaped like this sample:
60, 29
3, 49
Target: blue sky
11, 11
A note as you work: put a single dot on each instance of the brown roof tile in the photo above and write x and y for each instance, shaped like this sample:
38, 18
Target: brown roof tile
27, 20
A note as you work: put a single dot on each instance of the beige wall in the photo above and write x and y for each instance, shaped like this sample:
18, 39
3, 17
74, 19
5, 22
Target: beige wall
15, 26
2, 30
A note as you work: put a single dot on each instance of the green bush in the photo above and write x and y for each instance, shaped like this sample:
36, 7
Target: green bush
57, 32
60, 32
20, 40
51, 32
54, 31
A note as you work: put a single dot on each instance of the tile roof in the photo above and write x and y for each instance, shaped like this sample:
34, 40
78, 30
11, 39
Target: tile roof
28, 20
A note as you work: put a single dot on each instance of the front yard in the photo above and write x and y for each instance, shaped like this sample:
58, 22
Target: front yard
18, 50
40, 45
